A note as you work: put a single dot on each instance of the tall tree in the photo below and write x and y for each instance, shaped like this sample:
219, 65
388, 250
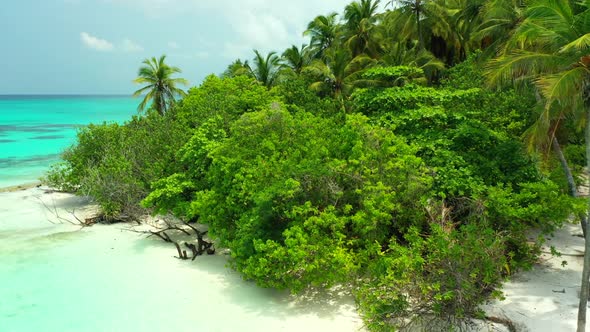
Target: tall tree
339, 73
161, 88
498, 19
266, 68
323, 32
237, 68
550, 48
360, 17
415, 10
296, 58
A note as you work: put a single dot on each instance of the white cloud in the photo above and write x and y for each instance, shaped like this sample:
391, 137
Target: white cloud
264, 25
173, 45
96, 43
131, 46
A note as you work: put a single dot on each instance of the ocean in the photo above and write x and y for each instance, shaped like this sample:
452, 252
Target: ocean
34, 130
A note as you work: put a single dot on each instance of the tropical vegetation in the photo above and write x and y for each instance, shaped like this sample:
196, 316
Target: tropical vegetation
405, 152
161, 89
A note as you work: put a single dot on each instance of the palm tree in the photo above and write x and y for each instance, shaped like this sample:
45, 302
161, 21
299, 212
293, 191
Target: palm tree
339, 73
323, 32
360, 17
498, 19
161, 88
456, 22
550, 48
415, 10
400, 53
266, 69
296, 58
237, 68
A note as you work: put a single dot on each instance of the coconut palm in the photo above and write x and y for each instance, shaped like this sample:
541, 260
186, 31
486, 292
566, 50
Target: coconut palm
415, 10
409, 54
360, 19
498, 19
296, 58
161, 88
550, 48
339, 73
266, 69
237, 68
323, 32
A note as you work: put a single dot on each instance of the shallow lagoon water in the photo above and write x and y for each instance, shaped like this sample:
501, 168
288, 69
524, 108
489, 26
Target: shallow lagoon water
34, 130
56, 277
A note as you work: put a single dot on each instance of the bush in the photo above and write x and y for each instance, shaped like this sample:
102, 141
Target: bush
435, 282
116, 164
297, 198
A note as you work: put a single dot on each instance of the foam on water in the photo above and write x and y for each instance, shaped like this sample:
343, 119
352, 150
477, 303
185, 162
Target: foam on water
56, 277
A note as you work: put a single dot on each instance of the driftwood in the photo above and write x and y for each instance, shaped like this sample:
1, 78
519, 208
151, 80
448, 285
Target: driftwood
503, 321
202, 246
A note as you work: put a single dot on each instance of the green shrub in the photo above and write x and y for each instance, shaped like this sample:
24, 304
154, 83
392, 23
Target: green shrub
433, 281
296, 198
115, 164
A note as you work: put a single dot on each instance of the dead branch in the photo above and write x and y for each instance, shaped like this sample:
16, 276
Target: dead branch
55, 212
202, 246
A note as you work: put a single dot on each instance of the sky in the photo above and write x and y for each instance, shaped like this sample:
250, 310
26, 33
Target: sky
96, 46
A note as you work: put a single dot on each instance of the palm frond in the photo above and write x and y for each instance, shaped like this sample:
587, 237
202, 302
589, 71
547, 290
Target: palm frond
564, 87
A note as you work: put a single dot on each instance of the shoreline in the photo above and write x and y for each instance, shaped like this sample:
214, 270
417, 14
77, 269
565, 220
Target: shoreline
543, 299
37, 243
20, 187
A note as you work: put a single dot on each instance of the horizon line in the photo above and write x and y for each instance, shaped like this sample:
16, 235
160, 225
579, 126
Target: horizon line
67, 94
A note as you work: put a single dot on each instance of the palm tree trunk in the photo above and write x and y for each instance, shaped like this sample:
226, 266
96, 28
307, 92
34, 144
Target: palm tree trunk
420, 38
570, 179
586, 268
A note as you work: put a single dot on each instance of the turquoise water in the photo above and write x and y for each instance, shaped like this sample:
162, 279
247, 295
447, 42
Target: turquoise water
34, 130
59, 278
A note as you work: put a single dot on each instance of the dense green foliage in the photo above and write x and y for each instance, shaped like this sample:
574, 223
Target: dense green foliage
116, 164
357, 160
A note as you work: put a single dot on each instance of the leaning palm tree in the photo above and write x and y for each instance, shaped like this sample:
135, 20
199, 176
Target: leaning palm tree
161, 88
550, 48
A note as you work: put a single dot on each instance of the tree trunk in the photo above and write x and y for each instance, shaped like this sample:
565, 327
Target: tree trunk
586, 269
570, 179
419, 25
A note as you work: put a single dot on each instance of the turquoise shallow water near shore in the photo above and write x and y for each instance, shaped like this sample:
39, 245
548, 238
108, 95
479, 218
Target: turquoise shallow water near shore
34, 130
58, 278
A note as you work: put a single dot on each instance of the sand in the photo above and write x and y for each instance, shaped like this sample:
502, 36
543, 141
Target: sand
102, 278
59, 277
546, 298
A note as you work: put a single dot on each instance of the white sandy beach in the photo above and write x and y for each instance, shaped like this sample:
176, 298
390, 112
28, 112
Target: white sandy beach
102, 278
545, 299
60, 278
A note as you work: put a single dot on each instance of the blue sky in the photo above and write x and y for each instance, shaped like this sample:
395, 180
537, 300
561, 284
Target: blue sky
96, 46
